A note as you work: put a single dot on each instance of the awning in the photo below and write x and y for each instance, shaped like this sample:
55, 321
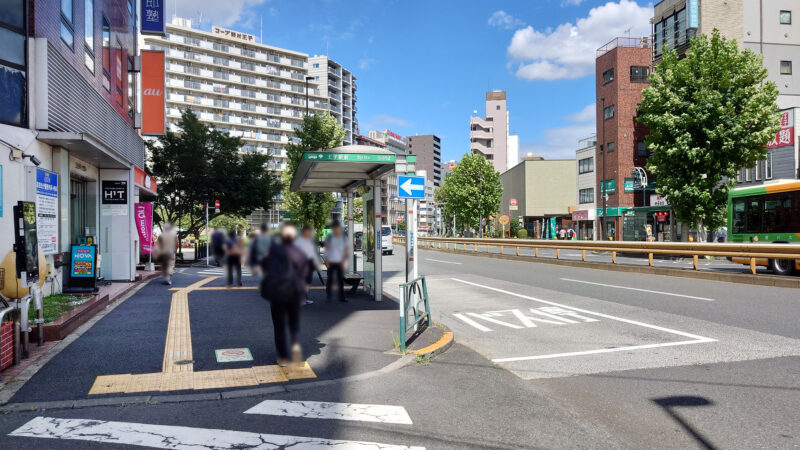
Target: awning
85, 147
343, 169
144, 182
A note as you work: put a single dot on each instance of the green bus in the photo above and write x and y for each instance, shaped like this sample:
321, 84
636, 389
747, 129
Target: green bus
766, 213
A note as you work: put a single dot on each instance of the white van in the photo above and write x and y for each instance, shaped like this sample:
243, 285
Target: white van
387, 246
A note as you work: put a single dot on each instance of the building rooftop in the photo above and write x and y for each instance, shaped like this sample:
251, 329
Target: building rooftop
630, 42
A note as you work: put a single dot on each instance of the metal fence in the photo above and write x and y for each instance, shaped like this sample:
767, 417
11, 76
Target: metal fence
415, 307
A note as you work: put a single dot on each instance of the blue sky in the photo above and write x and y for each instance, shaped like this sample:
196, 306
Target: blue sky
423, 65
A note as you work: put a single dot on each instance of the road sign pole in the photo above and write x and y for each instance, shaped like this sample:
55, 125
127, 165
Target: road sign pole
208, 243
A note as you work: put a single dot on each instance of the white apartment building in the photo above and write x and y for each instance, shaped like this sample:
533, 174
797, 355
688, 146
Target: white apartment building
394, 208
584, 215
338, 85
250, 90
489, 136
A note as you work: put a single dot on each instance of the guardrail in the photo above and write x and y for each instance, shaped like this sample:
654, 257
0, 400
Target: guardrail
415, 307
751, 252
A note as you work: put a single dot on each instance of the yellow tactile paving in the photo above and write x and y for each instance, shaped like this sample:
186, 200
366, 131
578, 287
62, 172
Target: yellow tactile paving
178, 366
110, 384
269, 374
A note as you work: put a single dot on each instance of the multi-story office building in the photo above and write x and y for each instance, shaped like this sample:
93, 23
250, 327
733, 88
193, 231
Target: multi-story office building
338, 85
250, 90
489, 136
585, 214
389, 201
448, 167
428, 149
68, 127
622, 72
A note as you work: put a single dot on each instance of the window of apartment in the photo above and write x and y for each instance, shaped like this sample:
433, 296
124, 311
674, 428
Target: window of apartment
768, 166
67, 28
586, 195
601, 148
758, 171
498, 107
316, 65
611, 147
13, 84
106, 54
748, 175
608, 76
639, 74
608, 112
88, 33
786, 17
641, 149
740, 176
586, 165
786, 67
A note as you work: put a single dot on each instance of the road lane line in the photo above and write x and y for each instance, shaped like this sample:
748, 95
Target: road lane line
640, 290
328, 410
176, 437
445, 262
472, 322
607, 316
601, 350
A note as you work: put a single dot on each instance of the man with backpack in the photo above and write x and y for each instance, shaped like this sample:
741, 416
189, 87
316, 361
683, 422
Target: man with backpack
284, 285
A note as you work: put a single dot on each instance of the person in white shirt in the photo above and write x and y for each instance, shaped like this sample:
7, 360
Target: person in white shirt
306, 244
335, 260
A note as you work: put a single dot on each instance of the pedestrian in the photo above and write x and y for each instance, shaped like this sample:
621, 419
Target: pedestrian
335, 260
562, 233
571, 235
259, 249
234, 258
309, 248
218, 246
284, 286
167, 244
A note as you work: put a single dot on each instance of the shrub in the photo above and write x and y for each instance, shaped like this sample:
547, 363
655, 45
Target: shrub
522, 234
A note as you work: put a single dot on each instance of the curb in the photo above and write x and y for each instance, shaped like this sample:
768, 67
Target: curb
197, 397
742, 278
438, 347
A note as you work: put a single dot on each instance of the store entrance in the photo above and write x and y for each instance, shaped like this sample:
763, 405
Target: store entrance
82, 210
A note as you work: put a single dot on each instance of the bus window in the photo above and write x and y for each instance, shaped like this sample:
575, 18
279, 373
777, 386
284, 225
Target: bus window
772, 205
738, 216
753, 223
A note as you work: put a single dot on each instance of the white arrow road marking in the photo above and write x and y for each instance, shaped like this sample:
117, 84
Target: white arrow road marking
326, 410
640, 290
181, 438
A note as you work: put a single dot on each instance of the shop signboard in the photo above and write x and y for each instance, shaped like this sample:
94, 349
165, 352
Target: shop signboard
152, 15
609, 185
82, 264
115, 192
613, 211
144, 225
657, 200
47, 211
784, 137
153, 84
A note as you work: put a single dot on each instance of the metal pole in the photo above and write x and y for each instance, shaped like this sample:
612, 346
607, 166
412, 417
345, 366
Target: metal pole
208, 242
306, 96
603, 230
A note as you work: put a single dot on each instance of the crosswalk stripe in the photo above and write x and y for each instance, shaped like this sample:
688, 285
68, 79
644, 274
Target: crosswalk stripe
176, 437
327, 410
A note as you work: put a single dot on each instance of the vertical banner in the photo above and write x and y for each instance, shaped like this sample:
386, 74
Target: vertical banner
153, 97
143, 212
47, 210
152, 17
694, 13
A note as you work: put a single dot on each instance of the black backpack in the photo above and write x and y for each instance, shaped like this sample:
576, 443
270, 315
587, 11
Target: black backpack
280, 282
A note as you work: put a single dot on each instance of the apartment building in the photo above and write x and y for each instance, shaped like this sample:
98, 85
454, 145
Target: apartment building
622, 69
489, 136
428, 149
585, 214
253, 91
68, 131
338, 85
389, 201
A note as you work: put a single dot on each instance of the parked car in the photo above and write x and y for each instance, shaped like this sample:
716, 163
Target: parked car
387, 240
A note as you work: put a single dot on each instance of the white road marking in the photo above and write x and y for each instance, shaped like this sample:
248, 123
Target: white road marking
640, 290
472, 322
439, 260
695, 339
175, 437
326, 410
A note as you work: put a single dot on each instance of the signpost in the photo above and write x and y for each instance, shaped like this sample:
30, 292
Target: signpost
504, 220
512, 204
208, 241
411, 188
47, 211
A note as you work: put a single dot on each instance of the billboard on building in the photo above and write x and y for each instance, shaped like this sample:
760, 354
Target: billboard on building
152, 17
784, 137
153, 97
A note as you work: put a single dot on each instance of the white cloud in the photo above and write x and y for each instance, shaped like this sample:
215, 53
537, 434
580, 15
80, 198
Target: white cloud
571, 2
223, 13
381, 121
561, 142
365, 63
502, 19
568, 51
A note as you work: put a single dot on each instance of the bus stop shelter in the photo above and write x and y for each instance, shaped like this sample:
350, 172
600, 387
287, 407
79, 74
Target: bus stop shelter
346, 170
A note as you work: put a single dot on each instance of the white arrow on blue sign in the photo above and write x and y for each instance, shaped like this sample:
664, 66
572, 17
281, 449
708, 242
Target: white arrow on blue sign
410, 186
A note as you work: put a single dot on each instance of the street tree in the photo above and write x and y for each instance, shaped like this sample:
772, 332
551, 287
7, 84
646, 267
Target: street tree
471, 191
199, 165
710, 114
318, 133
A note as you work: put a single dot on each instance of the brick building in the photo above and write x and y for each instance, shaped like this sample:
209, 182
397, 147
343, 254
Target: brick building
622, 71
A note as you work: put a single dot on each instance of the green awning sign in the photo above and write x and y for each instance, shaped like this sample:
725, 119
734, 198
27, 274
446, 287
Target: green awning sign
609, 185
348, 157
613, 211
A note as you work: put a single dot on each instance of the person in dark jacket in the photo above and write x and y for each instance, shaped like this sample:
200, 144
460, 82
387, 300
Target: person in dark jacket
285, 300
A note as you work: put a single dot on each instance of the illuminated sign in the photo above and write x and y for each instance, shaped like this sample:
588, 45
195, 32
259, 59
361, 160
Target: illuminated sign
153, 108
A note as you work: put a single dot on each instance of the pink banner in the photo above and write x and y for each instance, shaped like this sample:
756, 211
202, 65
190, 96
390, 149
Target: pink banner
144, 224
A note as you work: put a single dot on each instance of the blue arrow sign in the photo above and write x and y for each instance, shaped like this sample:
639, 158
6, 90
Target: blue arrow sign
410, 186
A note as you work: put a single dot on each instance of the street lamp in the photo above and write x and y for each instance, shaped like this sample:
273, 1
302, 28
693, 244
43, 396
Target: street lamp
641, 175
603, 189
307, 80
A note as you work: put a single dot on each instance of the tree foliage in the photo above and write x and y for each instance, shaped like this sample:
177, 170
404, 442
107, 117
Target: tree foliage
709, 114
471, 191
318, 133
200, 164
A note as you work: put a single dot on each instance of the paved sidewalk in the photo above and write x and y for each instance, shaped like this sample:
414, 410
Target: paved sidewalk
339, 339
